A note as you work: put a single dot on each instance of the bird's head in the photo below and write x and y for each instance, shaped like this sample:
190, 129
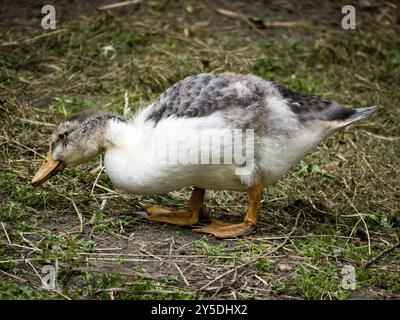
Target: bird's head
76, 139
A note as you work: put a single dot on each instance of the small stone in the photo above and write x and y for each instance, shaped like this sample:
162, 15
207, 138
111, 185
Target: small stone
284, 267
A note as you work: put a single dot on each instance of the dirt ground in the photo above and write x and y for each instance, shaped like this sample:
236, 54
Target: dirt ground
339, 206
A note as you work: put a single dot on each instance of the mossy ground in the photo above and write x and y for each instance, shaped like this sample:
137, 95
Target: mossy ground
344, 195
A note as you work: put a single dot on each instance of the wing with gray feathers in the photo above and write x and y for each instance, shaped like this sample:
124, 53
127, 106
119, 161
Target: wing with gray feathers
203, 94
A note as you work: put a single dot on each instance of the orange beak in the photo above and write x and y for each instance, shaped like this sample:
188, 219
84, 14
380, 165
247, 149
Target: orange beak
49, 168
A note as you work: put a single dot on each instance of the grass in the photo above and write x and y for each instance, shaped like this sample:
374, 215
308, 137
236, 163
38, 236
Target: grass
345, 192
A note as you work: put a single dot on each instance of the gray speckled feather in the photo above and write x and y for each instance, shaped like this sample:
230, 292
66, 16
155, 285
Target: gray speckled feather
311, 107
242, 99
203, 94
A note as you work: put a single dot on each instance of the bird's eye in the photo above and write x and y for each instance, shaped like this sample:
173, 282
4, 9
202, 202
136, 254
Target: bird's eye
62, 135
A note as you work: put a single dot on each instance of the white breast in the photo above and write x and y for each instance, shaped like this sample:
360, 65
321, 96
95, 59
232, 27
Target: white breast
144, 160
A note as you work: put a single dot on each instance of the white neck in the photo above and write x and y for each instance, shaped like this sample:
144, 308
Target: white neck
132, 133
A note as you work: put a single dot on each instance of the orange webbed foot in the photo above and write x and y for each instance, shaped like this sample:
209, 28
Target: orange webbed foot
168, 215
222, 230
186, 217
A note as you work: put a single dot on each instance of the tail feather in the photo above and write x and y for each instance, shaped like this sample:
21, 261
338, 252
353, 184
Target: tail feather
347, 117
360, 113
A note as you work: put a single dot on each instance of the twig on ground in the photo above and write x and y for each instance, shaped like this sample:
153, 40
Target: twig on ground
119, 4
97, 177
362, 219
26, 147
38, 123
287, 237
219, 277
79, 215
381, 254
261, 279
377, 136
13, 276
14, 43
140, 292
151, 255
6, 233
127, 109
240, 16
182, 275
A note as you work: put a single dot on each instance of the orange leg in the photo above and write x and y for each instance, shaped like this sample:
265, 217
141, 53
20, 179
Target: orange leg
189, 217
222, 229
